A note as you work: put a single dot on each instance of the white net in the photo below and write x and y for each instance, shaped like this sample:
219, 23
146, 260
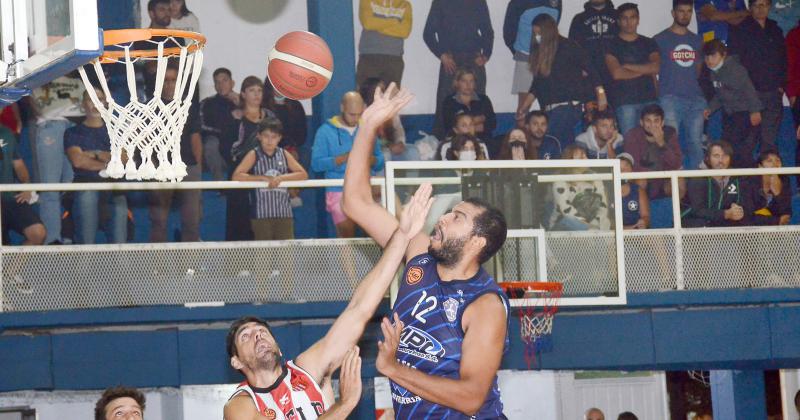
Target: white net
146, 132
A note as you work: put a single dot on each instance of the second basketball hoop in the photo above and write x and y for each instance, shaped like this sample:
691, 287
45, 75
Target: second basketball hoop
146, 132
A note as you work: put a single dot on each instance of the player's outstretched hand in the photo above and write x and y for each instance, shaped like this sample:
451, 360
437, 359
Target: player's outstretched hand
350, 378
386, 104
387, 349
415, 212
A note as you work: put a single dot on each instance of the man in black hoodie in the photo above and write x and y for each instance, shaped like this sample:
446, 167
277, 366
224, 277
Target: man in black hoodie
591, 28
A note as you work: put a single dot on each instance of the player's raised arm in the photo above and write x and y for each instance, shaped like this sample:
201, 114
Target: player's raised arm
326, 355
357, 202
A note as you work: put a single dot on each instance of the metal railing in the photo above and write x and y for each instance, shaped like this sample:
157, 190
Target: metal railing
75, 276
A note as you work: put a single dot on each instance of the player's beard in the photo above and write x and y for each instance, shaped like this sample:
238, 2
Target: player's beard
450, 253
269, 361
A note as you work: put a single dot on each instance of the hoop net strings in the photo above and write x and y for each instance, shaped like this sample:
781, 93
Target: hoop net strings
154, 128
536, 320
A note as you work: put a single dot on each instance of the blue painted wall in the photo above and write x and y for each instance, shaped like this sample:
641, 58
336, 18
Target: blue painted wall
728, 330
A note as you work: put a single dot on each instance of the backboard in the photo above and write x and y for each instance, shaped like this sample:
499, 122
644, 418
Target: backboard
44, 39
564, 218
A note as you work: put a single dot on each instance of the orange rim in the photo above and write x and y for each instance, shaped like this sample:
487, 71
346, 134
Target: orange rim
125, 36
541, 286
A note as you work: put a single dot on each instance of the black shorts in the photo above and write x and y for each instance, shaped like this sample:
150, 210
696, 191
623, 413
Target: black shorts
17, 217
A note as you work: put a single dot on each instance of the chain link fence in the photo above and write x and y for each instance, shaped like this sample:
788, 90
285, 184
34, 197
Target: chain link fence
94, 276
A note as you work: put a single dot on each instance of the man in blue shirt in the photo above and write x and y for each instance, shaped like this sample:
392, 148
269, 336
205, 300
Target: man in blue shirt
678, 89
548, 146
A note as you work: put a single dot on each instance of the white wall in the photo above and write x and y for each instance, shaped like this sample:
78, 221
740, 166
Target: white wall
199, 402
422, 68
240, 34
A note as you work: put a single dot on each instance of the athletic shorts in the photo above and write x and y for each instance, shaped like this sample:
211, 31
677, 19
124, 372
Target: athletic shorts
522, 77
17, 216
333, 204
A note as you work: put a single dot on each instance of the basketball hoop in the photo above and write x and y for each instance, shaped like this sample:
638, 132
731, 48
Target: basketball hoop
152, 129
539, 305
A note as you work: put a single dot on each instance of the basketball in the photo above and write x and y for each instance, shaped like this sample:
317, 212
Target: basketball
300, 65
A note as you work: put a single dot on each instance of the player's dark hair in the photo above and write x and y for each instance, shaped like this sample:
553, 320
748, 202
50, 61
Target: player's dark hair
627, 415
270, 124
676, 3
652, 109
715, 46
151, 5
536, 113
111, 394
222, 70
624, 7
722, 144
490, 224
230, 339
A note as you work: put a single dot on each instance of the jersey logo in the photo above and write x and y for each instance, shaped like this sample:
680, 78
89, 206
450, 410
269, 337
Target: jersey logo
414, 275
633, 205
284, 399
270, 414
684, 55
418, 343
450, 309
732, 189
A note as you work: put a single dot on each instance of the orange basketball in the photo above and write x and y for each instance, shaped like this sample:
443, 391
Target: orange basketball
300, 65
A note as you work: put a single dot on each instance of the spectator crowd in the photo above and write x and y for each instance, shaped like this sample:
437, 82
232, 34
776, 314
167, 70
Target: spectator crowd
604, 91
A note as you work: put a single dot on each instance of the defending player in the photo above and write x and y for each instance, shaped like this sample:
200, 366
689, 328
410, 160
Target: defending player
450, 317
294, 390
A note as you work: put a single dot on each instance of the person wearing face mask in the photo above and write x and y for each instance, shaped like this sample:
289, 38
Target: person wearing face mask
463, 125
735, 95
563, 80
517, 36
516, 146
465, 147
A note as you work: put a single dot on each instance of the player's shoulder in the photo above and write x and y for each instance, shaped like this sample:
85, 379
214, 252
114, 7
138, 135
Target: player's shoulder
240, 407
421, 259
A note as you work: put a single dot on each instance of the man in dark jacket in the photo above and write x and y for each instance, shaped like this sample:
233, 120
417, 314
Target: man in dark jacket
592, 27
718, 201
759, 43
460, 34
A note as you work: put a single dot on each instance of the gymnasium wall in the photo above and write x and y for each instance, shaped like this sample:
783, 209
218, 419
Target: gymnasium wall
422, 67
241, 33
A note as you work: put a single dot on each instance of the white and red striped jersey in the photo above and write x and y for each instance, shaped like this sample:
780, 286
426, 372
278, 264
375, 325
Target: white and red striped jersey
295, 395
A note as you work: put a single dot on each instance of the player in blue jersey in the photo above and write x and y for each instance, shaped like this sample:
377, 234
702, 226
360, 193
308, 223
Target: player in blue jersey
450, 324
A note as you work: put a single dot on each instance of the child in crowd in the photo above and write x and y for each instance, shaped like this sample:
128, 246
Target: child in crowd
735, 94
271, 212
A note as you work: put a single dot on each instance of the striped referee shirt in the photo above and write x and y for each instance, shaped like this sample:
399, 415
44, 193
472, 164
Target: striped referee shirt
270, 203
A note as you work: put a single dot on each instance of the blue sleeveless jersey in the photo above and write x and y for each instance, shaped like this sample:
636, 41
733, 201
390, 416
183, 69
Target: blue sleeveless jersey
431, 311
